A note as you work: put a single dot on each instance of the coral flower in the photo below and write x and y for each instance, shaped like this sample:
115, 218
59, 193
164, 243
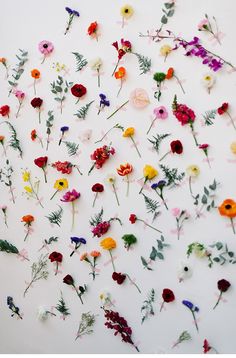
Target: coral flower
92, 30
27, 219
228, 208
125, 170
36, 75
119, 75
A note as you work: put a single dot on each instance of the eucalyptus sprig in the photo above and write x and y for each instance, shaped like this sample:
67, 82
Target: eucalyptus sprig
208, 117
147, 308
6, 177
184, 336
86, 324
39, 271
49, 125
206, 199
60, 87
6, 246
18, 70
156, 253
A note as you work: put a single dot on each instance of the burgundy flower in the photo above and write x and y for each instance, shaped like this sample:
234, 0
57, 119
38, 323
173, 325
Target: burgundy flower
118, 277
41, 162
36, 102
97, 188
4, 110
168, 295
78, 90
206, 346
55, 256
221, 110
176, 147
132, 218
223, 285
68, 279
101, 228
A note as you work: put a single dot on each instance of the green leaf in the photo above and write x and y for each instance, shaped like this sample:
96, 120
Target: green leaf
160, 255
153, 254
164, 20
57, 99
58, 88
171, 13
206, 191
216, 259
81, 62
204, 199
219, 245
160, 245
230, 253
169, 5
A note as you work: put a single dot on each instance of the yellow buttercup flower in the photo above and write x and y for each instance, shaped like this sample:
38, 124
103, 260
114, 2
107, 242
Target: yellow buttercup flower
28, 189
108, 243
193, 171
149, 172
165, 50
61, 184
26, 176
126, 11
233, 147
129, 132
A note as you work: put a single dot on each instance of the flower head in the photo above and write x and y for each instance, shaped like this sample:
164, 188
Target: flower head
68, 279
233, 147
208, 81
96, 64
92, 29
193, 170
129, 132
55, 257
5, 110
78, 240
78, 90
41, 162
95, 253
101, 228
133, 218
20, 95
118, 277
223, 108
97, 188
206, 346
35, 74
83, 256
149, 172
120, 73
26, 176
160, 112
108, 243
124, 169
184, 271
139, 98
64, 129
45, 47
165, 50
159, 76
228, 208
61, 184
27, 219
176, 147
111, 179
64, 167
36, 102
223, 285
70, 196
126, 11
168, 295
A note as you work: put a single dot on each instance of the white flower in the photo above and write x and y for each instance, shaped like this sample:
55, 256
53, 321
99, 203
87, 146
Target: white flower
184, 271
105, 298
111, 179
208, 81
95, 64
86, 135
42, 313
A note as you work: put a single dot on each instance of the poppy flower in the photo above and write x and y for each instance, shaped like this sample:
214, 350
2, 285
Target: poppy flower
37, 103
119, 75
41, 162
5, 110
176, 147
92, 30
35, 74
159, 113
168, 296
97, 188
228, 209
78, 91
223, 108
133, 218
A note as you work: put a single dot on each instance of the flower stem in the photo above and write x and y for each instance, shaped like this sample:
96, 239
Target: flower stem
133, 283
44, 58
12, 195
118, 109
28, 287
27, 234
149, 225
195, 321
112, 261
4, 149
117, 200
54, 194
232, 224
92, 167
146, 178
73, 215
231, 119
34, 87
135, 146
56, 268
127, 191
115, 67
194, 137
98, 73
100, 140
219, 298
95, 198
177, 79
41, 142
151, 125
121, 84
18, 111
39, 116
78, 294
165, 155
45, 177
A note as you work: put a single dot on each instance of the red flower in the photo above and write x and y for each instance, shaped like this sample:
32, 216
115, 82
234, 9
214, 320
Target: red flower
132, 218
203, 146
176, 146
33, 134
68, 279
78, 90
41, 162
223, 285
64, 167
125, 47
55, 256
118, 277
4, 110
36, 102
100, 155
97, 188
221, 110
92, 28
206, 346
168, 295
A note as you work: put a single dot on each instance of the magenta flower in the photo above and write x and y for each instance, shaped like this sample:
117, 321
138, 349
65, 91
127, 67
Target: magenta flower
205, 147
159, 113
45, 47
20, 96
70, 197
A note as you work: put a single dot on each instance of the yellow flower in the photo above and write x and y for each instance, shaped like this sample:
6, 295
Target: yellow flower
165, 50
28, 189
129, 132
26, 176
61, 184
149, 172
108, 243
233, 147
111, 178
126, 11
193, 171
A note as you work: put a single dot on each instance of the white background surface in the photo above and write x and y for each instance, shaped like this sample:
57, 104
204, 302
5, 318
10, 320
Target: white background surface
23, 25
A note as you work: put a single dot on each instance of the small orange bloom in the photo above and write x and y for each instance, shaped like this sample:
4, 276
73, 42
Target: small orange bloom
124, 169
92, 28
3, 60
228, 208
33, 134
95, 253
84, 256
28, 219
170, 73
35, 74
2, 138
120, 73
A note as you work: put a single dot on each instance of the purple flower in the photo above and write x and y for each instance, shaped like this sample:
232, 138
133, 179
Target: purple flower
70, 11
64, 129
76, 13
78, 240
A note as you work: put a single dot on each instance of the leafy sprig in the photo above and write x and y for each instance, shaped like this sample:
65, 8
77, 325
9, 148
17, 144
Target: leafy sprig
156, 253
49, 125
168, 12
49, 241
60, 88
55, 216
207, 199
72, 148
184, 336
96, 219
6, 177
147, 308
172, 176
86, 324
209, 116
6, 246
223, 254
38, 271
83, 111
157, 141
18, 69
81, 62
14, 141
62, 308
144, 63
151, 206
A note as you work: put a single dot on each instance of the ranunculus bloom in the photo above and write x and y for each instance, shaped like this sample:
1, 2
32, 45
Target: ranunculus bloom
176, 147
28, 219
224, 108
160, 112
139, 98
228, 208
168, 295
120, 73
68, 279
97, 188
70, 196
36, 102
55, 256
45, 47
4, 110
223, 285
78, 90
41, 162
124, 169
132, 218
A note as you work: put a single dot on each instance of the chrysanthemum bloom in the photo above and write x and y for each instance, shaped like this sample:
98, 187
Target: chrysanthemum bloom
228, 209
45, 47
165, 50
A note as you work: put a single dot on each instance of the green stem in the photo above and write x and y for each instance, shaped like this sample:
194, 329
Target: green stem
95, 198
115, 67
162, 305
98, 77
12, 195
133, 283
177, 79
149, 225
165, 155
112, 261
78, 294
135, 146
231, 119
232, 224
127, 191
73, 215
117, 200
194, 137
17, 113
151, 125
195, 321
140, 192
121, 84
45, 177
100, 140
54, 194
219, 298
118, 109
39, 116
27, 234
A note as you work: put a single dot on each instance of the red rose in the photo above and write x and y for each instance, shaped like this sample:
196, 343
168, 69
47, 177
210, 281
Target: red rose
118, 277
4, 110
55, 256
223, 285
78, 90
68, 279
36, 102
176, 147
97, 188
168, 295
132, 218
41, 162
221, 110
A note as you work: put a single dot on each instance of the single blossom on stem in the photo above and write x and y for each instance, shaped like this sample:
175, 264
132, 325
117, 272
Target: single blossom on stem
223, 286
71, 197
133, 218
159, 113
193, 309
20, 96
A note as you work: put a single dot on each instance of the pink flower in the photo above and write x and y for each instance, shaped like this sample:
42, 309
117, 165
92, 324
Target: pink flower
45, 47
175, 211
19, 94
203, 146
160, 112
70, 196
139, 98
202, 24
101, 228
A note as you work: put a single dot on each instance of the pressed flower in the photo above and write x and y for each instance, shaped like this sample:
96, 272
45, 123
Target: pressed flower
111, 179
193, 309
133, 218
109, 244
78, 241
208, 81
2, 140
168, 296
5, 110
171, 74
139, 98
159, 187
97, 188
71, 197
63, 130
121, 51
68, 280
59, 185
93, 264
228, 209
125, 170
126, 12
165, 50
96, 65
56, 257
41, 162
36, 75
128, 133
104, 102
224, 109
20, 95
78, 91
120, 75
92, 30
159, 113
37, 103
175, 147
34, 136
223, 286
149, 173
27, 220
45, 47
72, 14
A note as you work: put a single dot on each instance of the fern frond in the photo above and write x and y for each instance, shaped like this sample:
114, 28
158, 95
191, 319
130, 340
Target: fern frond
80, 61
144, 63
72, 148
83, 111
56, 216
172, 176
157, 140
14, 141
151, 204
94, 221
208, 116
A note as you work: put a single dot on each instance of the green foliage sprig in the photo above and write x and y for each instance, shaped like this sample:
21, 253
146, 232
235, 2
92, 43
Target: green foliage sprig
6, 246
49, 125
18, 69
62, 308
60, 87
206, 199
151, 206
14, 141
49, 241
145, 63
81, 62
83, 111
156, 253
72, 148
172, 176
38, 271
86, 324
208, 116
5, 177
56, 216
97, 218
156, 141
147, 308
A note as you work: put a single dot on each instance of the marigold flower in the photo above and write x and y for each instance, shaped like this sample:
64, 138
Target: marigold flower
129, 132
108, 243
28, 219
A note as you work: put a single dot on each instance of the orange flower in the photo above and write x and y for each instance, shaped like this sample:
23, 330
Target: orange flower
33, 134
28, 219
35, 73
120, 73
2, 138
124, 169
3, 60
228, 208
84, 256
95, 253
92, 28
170, 73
